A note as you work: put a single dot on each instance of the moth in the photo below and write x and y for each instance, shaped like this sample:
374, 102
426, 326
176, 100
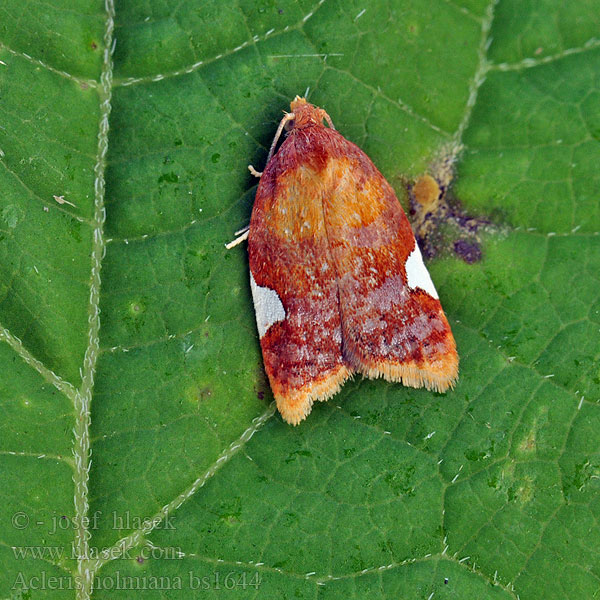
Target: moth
338, 281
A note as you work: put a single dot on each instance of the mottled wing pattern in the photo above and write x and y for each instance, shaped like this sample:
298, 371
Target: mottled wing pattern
294, 287
393, 325
338, 281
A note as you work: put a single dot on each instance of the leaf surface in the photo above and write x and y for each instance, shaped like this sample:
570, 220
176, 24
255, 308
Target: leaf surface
139, 448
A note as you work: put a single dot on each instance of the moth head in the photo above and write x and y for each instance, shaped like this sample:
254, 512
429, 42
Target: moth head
304, 115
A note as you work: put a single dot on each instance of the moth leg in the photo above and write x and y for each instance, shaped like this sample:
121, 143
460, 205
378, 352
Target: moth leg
242, 235
254, 171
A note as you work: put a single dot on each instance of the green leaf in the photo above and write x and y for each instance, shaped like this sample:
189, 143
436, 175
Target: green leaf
139, 446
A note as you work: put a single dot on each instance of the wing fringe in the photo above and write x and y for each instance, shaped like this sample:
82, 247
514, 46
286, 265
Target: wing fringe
412, 375
295, 406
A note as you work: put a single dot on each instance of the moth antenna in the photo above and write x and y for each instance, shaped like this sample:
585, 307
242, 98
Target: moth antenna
288, 117
329, 121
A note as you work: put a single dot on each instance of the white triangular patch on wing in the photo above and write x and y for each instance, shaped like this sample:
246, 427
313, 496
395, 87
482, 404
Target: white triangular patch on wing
417, 273
267, 306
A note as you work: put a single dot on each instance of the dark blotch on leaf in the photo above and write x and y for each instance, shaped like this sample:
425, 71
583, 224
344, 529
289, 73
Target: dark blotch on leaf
437, 215
216, 157
169, 178
293, 455
470, 252
474, 455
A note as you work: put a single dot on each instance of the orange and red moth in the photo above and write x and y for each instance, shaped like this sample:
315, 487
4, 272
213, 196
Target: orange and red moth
338, 281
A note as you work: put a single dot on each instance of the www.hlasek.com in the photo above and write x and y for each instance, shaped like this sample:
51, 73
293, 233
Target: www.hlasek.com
218, 580
55, 553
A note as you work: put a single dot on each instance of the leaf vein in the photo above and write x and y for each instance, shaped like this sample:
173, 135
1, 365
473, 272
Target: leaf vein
528, 63
81, 431
36, 61
200, 63
137, 537
48, 375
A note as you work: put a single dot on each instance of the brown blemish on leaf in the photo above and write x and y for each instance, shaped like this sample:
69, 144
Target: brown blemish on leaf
437, 217
427, 192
